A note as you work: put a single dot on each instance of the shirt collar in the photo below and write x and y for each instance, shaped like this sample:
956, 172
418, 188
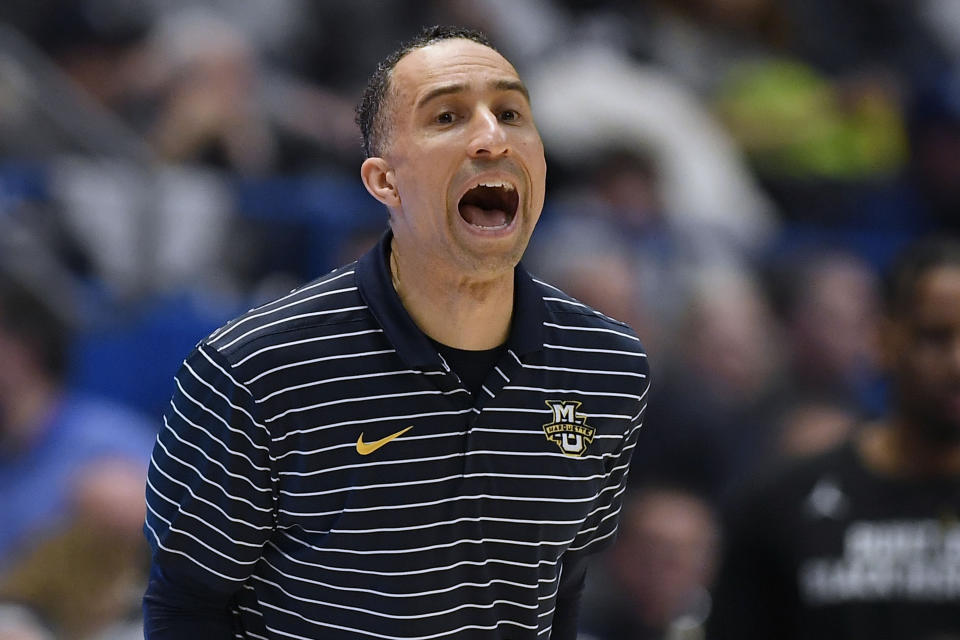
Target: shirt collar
376, 288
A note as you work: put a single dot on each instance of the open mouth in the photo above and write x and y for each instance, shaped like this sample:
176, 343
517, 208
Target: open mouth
490, 205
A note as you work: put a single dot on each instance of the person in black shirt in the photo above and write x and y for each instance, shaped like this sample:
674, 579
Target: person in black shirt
862, 541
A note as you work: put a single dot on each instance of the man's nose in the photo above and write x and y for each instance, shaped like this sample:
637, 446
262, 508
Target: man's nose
487, 135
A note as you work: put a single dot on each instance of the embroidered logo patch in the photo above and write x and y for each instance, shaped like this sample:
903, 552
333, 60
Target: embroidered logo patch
569, 429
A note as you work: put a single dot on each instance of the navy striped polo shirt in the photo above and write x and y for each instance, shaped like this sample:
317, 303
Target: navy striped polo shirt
320, 459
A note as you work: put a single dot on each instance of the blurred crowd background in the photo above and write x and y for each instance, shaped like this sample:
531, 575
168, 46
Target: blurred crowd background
730, 177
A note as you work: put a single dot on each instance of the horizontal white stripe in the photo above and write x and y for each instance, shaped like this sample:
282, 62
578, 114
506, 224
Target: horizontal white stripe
570, 302
546, 411
317, 383
406, 572
433, 503
591, 330
612, 416
300, 316
546, 453
606, 394
294, 343
252, 611
379, 463
420, 483
223, 444
238, 476
319, 283
603, 372
203, 521
591, 541
537, 454
353, 445
417, 594
187, 534
389, 616
217, 392
166, 475
159, 544
251, 634
384, 396
636, 354
227, 375
444, 545
398, 418
300, 363
548, 285
393, 636
261, 311
382, 485
210, 482
442, 523
574, 303
538, 431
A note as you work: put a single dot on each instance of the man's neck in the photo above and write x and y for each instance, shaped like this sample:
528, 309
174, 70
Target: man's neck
456, 310
894, 449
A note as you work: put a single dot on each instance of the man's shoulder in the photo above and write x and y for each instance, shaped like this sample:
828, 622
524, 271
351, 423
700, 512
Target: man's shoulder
571, 318
317, 307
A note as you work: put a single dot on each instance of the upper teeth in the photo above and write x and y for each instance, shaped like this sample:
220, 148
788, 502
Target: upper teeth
502, 185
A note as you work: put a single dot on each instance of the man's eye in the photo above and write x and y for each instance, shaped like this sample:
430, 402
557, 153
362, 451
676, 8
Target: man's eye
445, 118
509, 115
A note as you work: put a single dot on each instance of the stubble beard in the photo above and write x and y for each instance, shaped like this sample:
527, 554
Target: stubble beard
488, 264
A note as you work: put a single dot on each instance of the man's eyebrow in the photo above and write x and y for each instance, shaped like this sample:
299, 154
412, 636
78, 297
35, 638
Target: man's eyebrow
447, 89
442, 90
512, 85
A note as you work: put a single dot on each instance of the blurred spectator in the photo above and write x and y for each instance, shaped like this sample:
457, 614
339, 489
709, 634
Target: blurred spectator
810, 426
796, 124
207, 83
935, 147
859, 541
194, 150
942, 19
593, 260
589, 99
857, 36
698, 41
717, 395
19, 623
71, 474
652, 584
608, 215
828, 300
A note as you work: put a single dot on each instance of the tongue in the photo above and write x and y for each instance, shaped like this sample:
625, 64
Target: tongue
480, 217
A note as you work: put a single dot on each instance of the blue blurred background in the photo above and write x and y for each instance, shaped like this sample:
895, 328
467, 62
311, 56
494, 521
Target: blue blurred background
728, 176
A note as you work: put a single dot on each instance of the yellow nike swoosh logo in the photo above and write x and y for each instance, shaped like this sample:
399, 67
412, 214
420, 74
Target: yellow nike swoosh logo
366, 448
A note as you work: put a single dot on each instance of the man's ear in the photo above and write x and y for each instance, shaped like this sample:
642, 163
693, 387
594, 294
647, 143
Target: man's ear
378, 178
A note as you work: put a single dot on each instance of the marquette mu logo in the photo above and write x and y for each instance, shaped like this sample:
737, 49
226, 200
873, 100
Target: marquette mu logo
569, 429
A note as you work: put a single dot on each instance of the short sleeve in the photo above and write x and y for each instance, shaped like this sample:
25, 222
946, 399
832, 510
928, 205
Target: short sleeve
210, 489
